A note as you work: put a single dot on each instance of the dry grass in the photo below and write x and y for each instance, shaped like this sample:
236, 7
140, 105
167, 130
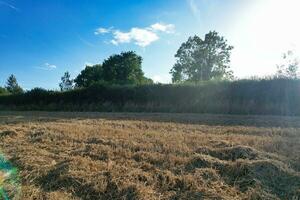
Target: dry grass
153, 156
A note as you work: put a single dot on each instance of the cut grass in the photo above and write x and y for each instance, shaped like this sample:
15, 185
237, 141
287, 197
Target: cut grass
152, 156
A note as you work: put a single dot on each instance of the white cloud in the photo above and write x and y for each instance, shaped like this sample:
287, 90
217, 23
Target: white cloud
50, 66
114, 42
143, 37
139, 36
167, 28
103, 30
47, 66
121, 37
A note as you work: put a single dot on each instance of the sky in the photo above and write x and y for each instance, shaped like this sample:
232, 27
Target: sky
40, 40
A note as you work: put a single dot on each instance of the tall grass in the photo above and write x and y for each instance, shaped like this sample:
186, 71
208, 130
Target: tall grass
277, 96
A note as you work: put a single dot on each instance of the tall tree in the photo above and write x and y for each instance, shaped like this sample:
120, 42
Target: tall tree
200, 60
289, 68
66, 83
89, 76
124, 68
12, 85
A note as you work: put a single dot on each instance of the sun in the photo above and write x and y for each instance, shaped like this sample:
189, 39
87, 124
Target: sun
262, 32
277, 23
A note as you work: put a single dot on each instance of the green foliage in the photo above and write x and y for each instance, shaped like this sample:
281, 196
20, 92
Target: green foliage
202, 60
12, 85
66, 83
146, 81
289, 68
89, 76
124, 68
274, 96
3, 91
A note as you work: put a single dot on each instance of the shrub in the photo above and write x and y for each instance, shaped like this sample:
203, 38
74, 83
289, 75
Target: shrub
276, 96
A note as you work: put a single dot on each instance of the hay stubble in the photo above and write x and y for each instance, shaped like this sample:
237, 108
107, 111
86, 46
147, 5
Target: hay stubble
131, 157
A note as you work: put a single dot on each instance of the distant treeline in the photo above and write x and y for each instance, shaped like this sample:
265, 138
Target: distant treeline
202, 83
274, 97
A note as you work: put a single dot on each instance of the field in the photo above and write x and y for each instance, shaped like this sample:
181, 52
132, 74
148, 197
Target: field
152, 156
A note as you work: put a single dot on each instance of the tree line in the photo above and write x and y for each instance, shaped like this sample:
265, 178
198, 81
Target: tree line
266, 96
197, 60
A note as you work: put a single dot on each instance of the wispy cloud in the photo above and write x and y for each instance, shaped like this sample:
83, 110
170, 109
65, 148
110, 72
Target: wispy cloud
139, 36
194, 7
4, 3
47, 66
101, 30
84, 41
50, 66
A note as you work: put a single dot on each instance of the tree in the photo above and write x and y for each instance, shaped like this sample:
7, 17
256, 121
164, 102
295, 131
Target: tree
89, 76
12, 85
289, 68
201, 60
147, 81
66, 83
3, 91
124, 68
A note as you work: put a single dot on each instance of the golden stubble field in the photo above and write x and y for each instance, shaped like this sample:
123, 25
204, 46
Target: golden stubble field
153, 156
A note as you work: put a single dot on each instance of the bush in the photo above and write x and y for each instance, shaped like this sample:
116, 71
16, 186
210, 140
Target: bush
277, 96
3, 91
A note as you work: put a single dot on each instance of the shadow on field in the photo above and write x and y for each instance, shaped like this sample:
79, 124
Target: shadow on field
59, 179
200, 119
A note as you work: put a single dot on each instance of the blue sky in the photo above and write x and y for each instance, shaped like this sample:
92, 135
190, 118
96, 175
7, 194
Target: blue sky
40, 40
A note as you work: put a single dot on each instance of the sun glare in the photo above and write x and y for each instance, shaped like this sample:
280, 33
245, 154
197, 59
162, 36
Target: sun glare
278, 22
264, 30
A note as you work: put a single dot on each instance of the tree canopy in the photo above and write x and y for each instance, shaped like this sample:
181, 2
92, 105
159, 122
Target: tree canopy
201, 60
289, 68
89, 76
3, 91
12, 85
124, 68
66, 83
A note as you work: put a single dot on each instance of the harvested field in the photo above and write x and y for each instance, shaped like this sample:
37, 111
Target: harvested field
153, 156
